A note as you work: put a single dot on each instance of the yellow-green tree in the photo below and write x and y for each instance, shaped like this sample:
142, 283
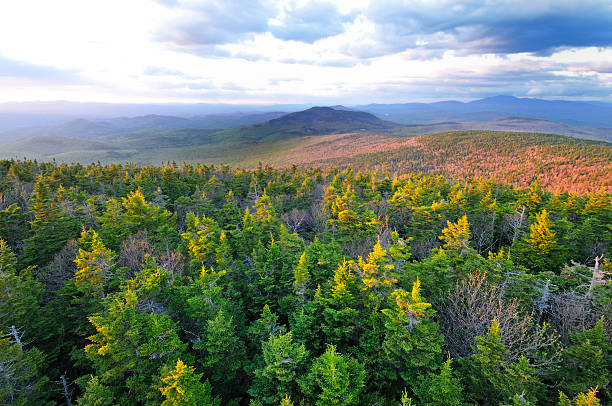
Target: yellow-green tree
183, 387
456, 235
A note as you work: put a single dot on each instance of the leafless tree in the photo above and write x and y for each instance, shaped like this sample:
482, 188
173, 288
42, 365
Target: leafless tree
173, 262
482, 231
515, 223
133, 252
317, 217
59, 271
296, 220
574, 311
469, 310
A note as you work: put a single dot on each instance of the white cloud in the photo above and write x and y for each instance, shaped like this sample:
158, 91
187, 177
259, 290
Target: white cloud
298, 51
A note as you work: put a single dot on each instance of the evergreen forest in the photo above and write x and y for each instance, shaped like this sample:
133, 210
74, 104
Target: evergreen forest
192, 284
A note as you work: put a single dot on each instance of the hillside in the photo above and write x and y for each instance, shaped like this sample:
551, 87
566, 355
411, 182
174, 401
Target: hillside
314, 121
48, 147
325, 136
560, 163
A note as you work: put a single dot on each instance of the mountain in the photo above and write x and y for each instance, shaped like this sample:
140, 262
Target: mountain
313, 121
88, 129
48, 146
566, 112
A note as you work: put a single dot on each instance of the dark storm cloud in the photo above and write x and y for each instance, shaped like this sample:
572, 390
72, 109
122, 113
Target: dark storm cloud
500, 27
17, 69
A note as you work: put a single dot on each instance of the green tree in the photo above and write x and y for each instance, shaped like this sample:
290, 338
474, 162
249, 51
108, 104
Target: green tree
183, 387
223, 350
334, 379
133, 339
284, 361
96, 394
494, 379
442, 389
51, 227
457, 235
21, 372
587, 361
412, 345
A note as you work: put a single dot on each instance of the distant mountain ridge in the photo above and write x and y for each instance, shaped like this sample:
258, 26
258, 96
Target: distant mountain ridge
91, 129
567, 112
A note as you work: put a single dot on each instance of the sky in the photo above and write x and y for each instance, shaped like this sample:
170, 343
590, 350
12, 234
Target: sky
298, 51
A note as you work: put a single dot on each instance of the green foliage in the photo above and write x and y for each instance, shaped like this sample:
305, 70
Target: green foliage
195, 263
133, 340
508, 380
182, 386
334, 379
588, 361
96, 394
443, 389
51, 228
284, 361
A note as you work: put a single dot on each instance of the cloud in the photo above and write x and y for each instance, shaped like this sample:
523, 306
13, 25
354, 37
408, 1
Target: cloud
310, 22
501, 27
17, 69
215, 22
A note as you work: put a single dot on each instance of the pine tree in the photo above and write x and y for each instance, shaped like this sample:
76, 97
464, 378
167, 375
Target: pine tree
19, 295
133, 339
284, 361
301, 278
442, 389
51, 227
494, 379
582, 399
456, 235
334, 380
14, 227
96, 394
223, 350
183, 387
95, 265
540, 234
587, 361
21, 372
412, 343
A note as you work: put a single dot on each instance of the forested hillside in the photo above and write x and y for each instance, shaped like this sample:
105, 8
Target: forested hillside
559, 163
207, 285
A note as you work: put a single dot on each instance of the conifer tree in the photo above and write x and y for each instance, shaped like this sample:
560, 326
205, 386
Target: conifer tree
494, 379
581, 399
456, 235
301, 279
19, 295
442, 389
224, 352
183, 387
133, 339
334, 379
96, 394
51, 227
587, 361
540, 234
412, 344
21, 372
95, 265
284, 361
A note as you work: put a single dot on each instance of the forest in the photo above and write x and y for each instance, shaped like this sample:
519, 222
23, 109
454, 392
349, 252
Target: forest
192, 284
